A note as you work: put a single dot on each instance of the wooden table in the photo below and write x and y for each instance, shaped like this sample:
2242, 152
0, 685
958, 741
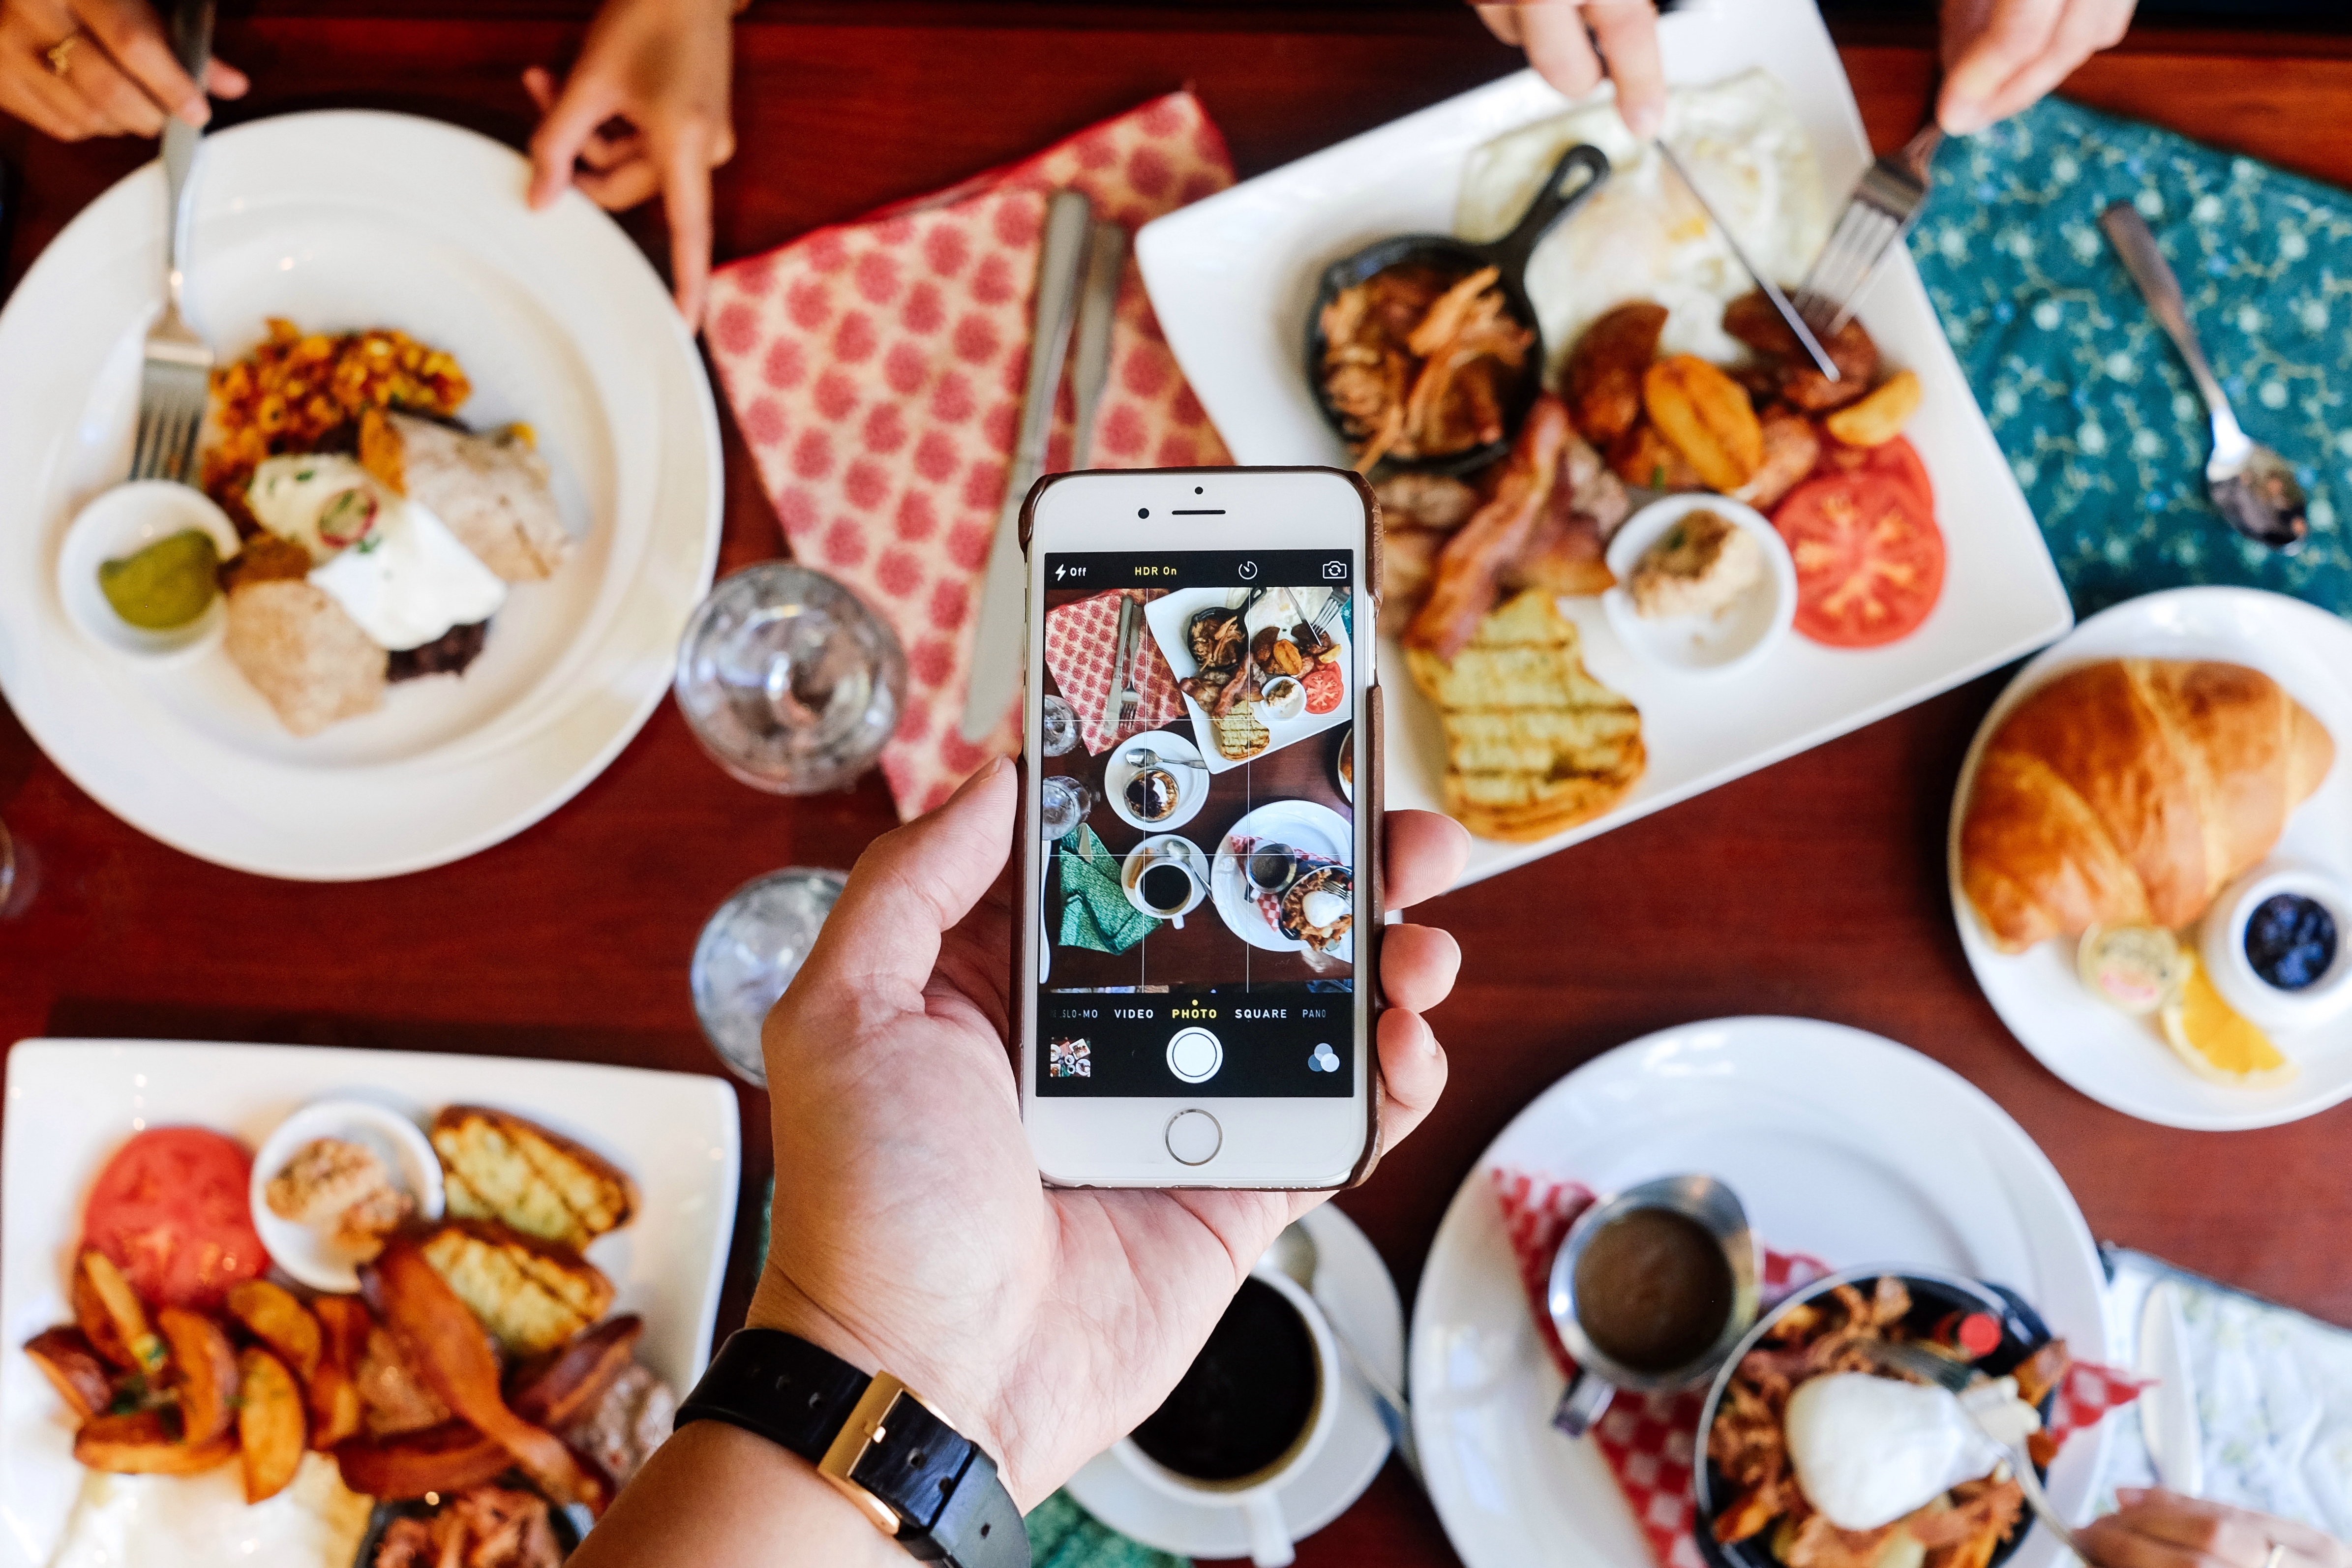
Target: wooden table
1814, 887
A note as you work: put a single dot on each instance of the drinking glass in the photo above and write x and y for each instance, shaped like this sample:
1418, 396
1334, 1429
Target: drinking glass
788, 681
1063, 803
7, 867
1057, 728
749, 952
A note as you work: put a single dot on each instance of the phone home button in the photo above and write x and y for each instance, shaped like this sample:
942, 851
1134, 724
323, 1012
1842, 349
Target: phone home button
1194, 1137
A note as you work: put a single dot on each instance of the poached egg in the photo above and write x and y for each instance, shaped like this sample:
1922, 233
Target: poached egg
1868, 1449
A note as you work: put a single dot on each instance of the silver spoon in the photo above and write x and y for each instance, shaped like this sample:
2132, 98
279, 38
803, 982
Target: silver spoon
1145, 757
2252, 487
1294, 1253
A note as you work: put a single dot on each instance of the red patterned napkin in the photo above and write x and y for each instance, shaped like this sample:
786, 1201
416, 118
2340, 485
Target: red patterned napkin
1648, 1442
1082, 650
876, 368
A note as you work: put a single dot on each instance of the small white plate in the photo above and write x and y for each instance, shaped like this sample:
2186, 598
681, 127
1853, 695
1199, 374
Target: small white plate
123, 521
1195, 858
2122, 1062
1167, 616
1841, 1144
1353, 1288
1192, 784
1704, 646
304, 1251
1301, 824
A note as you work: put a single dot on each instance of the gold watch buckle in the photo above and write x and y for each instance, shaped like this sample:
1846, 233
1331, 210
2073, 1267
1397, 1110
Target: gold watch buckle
868, 1423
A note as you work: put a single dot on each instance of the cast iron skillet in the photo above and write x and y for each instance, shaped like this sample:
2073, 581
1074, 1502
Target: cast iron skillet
1509, 254
1933, 1296
569, 1524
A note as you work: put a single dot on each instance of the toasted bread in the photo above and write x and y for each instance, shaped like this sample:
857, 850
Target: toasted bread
502, 1167
531, 1297
1533, 743
1239, 735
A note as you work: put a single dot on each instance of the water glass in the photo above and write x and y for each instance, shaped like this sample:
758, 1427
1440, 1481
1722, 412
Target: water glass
788, 681
1057, 728
748, 953
1063, 803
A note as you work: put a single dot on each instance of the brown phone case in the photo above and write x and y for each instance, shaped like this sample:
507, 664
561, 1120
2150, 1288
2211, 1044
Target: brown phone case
1368, 749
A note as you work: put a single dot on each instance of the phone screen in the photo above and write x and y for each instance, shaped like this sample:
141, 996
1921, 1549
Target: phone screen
1195, 794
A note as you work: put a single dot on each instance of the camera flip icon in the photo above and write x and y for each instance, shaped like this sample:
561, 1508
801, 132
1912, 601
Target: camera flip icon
1335, 570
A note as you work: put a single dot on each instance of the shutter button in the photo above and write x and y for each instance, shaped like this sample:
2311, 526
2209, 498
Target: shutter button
1194, 1137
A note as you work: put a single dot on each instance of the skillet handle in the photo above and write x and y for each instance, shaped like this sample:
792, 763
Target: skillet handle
1511, 252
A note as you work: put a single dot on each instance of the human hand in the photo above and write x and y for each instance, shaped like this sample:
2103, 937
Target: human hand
120, 76
910, 1230
1573, 44
645, 110
2001, 56
2164, 1530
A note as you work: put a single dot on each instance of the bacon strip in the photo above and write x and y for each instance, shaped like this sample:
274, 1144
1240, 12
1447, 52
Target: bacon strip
1470, 566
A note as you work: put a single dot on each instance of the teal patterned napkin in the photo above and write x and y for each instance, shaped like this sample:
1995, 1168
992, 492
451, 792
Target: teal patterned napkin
1096, 910
2090, 402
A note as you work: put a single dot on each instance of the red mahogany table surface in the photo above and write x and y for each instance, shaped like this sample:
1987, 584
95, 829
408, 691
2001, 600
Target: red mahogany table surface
1815, 887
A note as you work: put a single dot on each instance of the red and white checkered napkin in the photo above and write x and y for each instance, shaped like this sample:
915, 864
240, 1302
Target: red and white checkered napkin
1082, 650
876, 368
1648, 1442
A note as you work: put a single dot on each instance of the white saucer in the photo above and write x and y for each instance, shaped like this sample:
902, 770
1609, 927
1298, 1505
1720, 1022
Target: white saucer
1747, 630
1353, 1288
1192, 784
1194, 858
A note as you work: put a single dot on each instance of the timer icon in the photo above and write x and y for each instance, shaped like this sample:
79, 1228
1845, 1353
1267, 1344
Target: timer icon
1246, 570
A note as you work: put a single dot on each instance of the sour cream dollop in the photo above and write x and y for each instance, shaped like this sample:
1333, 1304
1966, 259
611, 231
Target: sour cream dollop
1867, 1451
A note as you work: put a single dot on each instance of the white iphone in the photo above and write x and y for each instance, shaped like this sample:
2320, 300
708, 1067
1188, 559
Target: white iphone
1194, 980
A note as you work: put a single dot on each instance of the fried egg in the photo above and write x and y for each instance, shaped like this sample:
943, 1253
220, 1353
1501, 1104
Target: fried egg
1643, 236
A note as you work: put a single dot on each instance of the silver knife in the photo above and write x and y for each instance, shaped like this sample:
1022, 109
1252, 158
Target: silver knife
1098, 306
1120, 652
996, 649
2167, 1413
1772, 289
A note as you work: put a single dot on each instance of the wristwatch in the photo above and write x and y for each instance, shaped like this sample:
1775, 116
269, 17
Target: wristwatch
919, 1480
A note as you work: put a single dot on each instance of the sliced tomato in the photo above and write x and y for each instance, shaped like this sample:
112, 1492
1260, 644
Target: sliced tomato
1325, 688
1870, 561
172, 1208
1897, 459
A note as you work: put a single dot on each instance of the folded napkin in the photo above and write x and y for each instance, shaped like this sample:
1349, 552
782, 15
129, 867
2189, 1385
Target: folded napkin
876, 369
1096, 910
1082, 650
1650, 1443
2088, 399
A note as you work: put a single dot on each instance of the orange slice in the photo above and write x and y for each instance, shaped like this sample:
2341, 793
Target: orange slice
2207, 1033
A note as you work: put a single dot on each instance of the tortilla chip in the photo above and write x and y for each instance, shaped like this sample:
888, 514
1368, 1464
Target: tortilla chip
304, 653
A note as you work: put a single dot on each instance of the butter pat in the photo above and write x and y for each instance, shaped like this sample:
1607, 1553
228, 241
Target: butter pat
1867, 1451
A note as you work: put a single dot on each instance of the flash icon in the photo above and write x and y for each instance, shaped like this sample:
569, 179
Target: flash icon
1058, 572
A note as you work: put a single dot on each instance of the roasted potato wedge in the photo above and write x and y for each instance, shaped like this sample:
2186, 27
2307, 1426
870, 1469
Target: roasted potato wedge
560, 1387
278, 1319
73, 1368
1791, 447
445, 1458
109, 1312
1605, 369
1647, 460
1708, 416
203, 1370
269, 1425
1878, 419
140, 1444
334, 1397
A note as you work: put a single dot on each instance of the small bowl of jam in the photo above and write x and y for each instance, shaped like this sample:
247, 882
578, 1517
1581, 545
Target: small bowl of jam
2279, 946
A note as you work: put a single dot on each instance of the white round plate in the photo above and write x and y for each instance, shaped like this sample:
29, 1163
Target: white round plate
2122, 1062
1353, 1288
1839, 1144
337, 221
1302, 825
1192, 784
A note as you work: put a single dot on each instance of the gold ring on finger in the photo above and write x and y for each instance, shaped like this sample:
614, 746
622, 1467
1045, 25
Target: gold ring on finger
60, 53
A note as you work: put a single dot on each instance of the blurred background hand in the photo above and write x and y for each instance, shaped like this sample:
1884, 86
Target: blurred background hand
2165, 1530
1574, 45
73, 68
2001, 56
643, 113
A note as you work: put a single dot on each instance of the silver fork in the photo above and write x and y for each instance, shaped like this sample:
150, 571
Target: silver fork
174, 380
1877, 215
1130, 696
1956, 1377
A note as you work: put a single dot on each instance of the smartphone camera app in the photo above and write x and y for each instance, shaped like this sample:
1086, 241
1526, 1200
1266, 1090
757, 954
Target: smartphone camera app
1196, 796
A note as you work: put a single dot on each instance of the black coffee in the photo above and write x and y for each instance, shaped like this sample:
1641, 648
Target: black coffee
1166, 888
1248, 1395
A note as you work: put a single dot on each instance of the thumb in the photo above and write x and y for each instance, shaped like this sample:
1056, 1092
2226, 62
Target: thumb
912, 885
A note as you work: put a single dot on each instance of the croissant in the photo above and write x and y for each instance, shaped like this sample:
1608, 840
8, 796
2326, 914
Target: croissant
2132, 792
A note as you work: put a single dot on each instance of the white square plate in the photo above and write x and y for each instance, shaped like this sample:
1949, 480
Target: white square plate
72, 1103
1233, 278
1168, 617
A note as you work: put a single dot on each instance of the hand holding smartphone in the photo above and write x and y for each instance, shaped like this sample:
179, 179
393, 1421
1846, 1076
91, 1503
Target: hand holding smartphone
1196, 981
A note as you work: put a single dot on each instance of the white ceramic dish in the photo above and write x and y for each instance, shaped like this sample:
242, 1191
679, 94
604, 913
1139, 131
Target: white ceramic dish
1359, 1298
306, 1252
1192, 784
1232, 278
1841, 1144
1165, 847
1301, 824
341, 220
2122, 1062
122, 521
1703, 646
2222, 945
71, 1104
1167, 616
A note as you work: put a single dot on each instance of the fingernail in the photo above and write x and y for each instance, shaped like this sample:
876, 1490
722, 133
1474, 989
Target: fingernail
1644, 120
2130, 1494
1961, 118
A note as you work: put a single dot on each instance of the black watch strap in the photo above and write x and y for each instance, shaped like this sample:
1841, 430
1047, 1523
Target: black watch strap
916, 1478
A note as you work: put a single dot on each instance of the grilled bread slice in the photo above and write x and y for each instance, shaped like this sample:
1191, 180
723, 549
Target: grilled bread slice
1239, 734
501, 1167
531, 1297
1533, 743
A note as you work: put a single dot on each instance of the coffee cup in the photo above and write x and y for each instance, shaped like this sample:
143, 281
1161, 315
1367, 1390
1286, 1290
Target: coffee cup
1252, 1413
1650, 1290
1164, 883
